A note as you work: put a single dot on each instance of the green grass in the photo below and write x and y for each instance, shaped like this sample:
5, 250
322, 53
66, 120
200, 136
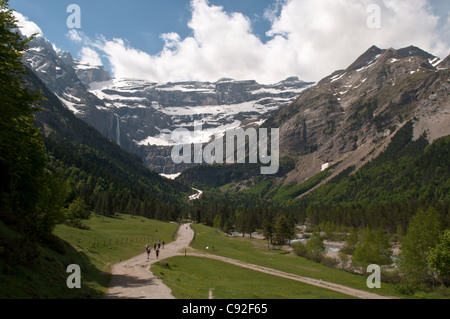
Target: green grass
293, 190
256, 252
116, 239
46, 276
193, 278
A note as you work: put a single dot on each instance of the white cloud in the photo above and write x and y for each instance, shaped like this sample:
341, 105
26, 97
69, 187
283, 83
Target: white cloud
90, 56
171, 40
330, 34
308, 38
272, 12
27, 27
75, 36
222, 45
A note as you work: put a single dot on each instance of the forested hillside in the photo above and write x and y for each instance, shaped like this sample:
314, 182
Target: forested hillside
55, 168
386, 192
97, 170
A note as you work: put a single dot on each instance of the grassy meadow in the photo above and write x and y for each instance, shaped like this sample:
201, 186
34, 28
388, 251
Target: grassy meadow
113, 239
194, 278
45, 277
255, 251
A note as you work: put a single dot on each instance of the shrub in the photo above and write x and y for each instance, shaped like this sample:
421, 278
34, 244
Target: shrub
299, 249
77, 223
315, 248
330, 262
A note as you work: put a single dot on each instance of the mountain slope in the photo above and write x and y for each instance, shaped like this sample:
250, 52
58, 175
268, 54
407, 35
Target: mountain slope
350, 116
97, 170
57, 71
140, 115
387, 192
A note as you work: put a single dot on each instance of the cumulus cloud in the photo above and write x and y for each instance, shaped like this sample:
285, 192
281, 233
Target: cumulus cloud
222, 45
328, 34
90, 56
27, 27
307, 38
75, 36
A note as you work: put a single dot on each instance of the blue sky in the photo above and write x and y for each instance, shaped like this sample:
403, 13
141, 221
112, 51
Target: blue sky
266, 40
141, 22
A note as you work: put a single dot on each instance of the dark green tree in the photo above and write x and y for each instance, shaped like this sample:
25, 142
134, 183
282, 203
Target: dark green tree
422, 236
372, 248
351, 242
284, 230
268, 231
439, 258
25, 184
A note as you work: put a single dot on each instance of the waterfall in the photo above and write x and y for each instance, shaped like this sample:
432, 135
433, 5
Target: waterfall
165, 164
118, 129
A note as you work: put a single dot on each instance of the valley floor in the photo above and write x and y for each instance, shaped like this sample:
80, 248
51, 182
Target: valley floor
132, 279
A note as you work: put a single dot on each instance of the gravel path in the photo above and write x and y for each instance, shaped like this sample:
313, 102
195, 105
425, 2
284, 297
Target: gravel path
132, 279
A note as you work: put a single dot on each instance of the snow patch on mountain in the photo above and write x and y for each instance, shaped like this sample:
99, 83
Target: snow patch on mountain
221, 106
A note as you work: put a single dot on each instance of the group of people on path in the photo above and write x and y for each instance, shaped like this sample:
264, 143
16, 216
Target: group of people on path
156, 248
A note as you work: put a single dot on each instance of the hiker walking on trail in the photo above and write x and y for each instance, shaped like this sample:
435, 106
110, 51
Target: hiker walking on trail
163, 243
154, 246
157, 254
147, 249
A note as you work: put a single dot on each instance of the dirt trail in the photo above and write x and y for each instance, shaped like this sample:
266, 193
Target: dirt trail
132, 279
315, 282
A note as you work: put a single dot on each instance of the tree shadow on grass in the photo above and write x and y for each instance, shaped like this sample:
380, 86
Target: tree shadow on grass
128, 282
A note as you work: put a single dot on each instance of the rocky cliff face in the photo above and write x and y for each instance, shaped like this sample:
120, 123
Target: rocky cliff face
346, 118
351, 114
57, 71
140, 115
147, 113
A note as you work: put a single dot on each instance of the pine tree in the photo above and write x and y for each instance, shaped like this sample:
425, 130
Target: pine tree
25, 184
268, 231
284, 230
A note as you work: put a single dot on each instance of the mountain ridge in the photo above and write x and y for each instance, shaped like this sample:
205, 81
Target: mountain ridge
366, 102
348, 116
102, 170
139, 115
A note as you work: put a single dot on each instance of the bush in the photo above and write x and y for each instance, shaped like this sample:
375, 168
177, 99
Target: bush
392, 277
299, 249
78, 210
330, 262
406, 289
315, 248
77, 223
